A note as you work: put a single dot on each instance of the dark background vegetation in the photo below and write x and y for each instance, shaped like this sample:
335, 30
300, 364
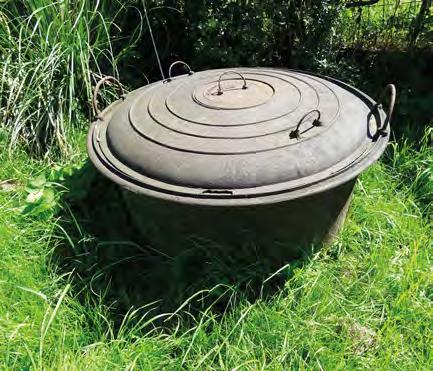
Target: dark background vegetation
367, 43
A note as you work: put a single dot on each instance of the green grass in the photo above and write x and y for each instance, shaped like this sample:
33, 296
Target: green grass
52, 52
385, 24
364, 302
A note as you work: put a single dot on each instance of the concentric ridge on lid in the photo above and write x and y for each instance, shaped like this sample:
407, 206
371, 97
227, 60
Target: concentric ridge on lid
252, 133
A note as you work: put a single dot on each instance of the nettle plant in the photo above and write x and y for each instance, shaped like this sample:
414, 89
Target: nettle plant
41, 196
46, 193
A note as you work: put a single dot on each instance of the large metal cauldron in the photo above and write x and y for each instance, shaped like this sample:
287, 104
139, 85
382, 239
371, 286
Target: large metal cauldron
260, 155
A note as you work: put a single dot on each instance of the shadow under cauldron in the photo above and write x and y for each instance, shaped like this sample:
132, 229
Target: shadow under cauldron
157, 258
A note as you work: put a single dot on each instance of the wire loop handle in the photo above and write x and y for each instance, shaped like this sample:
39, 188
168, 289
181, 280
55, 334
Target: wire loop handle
220, 90
190, 71
101, 82
295, 133
393, 95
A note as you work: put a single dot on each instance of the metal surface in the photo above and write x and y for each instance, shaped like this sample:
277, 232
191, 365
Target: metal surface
104, 80
286, 229
391, 87
190, 71
220, 90
296, 133
273, 135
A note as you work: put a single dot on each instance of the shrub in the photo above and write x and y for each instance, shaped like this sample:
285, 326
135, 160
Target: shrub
250, 33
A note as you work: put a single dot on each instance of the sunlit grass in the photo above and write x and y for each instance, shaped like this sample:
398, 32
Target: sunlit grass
365, 301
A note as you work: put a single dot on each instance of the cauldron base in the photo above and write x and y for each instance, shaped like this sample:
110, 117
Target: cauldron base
285, 230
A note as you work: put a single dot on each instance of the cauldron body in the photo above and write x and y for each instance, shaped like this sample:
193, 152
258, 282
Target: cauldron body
285, 229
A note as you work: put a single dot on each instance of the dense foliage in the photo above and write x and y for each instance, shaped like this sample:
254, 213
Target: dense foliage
259, 33
53, 52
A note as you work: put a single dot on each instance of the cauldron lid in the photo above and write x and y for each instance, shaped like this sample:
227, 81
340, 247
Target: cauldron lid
236, 134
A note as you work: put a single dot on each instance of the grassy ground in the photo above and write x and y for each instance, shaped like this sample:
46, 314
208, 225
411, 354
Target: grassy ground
364, 302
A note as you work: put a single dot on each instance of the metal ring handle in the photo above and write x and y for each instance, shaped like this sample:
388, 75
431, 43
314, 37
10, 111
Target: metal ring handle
393, 91
220, 90
190, 71
96, 92
295, 133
